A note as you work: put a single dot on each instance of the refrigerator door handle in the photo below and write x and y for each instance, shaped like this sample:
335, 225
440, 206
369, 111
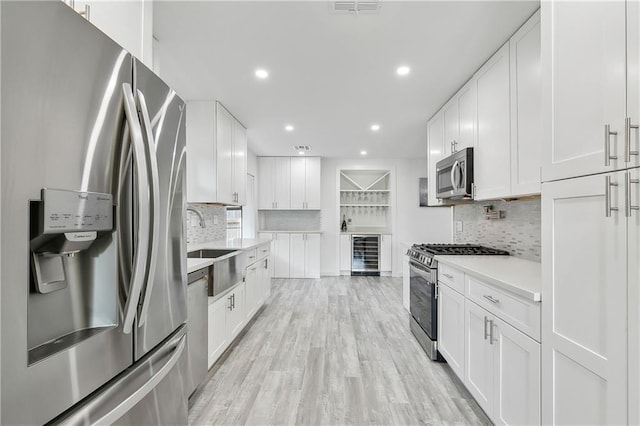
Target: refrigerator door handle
152, 163
97, 410
144, 210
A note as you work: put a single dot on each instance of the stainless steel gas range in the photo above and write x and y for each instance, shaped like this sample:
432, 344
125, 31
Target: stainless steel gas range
423, 295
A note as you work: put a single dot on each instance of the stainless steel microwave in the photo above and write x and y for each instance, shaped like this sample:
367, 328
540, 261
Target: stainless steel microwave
454, 175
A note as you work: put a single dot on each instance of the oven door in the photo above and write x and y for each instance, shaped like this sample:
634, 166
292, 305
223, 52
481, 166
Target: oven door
423, 304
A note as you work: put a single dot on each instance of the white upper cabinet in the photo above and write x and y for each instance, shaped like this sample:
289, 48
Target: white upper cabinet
239, 163
201, 152
224, 148
274, 183
435, 151
451, 129
492, 153
498, 113
460, 120
231, 143
216, 155
526, 112
467, 115
584, 93
128, 23
305, 183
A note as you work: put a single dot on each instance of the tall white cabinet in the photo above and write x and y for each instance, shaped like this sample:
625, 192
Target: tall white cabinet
590, 197
305, 183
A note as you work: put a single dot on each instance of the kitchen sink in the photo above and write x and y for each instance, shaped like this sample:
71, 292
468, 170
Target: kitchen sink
228, 268
209, 254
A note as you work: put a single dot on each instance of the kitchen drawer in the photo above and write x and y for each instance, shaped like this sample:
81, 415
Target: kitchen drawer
263, 251
519, 313
452, 277
252, 256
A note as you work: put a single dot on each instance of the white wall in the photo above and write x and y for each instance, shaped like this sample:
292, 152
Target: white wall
410, 223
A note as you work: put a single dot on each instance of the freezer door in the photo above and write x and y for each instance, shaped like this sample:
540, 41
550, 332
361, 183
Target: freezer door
62, 128
163, 305
150, 393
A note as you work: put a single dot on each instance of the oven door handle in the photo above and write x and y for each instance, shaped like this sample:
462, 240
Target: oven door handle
420, 270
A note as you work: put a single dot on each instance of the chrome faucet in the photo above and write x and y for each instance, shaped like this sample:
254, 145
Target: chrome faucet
202, 223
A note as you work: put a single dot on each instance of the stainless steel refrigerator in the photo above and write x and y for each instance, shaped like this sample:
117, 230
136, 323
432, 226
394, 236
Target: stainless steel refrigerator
93, 280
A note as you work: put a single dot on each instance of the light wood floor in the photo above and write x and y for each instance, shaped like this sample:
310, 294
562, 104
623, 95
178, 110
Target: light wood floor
332, 351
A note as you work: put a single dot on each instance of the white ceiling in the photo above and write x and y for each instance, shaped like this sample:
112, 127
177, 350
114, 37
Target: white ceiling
331, 75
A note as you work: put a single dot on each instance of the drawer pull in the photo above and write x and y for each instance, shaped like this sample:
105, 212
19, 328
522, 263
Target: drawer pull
448, 276
491, 299
252, 257
491, 332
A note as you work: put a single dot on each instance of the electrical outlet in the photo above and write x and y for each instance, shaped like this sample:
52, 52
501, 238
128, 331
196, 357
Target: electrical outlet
348, 220
458, 226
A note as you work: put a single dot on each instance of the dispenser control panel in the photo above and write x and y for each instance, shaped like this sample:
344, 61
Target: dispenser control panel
67, 211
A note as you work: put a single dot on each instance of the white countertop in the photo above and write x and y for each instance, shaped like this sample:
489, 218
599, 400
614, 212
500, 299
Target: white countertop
196, 264
235, 244
519, 276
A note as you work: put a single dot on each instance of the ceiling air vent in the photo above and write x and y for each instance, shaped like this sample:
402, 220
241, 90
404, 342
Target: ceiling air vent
304, 148
356, 6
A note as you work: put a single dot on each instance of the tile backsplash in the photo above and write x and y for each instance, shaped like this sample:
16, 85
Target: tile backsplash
289, 220
518, 232
215, 218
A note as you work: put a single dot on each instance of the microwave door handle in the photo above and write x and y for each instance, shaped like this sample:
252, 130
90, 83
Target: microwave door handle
152, 163
144, 210
454, 179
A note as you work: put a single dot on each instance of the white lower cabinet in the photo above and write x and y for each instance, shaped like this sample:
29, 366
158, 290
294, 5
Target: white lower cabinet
451, 328
280, 248
345, 254
236, 314
406, 285
498, 361
295, 255
385, 253
479, 355
226, 320
516, 376
253, 289
217, 340
503, 368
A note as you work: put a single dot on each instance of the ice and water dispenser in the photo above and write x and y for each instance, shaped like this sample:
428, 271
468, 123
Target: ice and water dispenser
74, 281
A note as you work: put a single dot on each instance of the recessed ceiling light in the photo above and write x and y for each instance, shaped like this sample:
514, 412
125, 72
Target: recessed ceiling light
262, 74
363, 152
403, 70
375, 127
288, 128
300, 152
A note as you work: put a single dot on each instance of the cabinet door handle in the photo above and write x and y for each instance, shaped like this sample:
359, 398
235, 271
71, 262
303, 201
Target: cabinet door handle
230, 305
447, 275
486, 320
491, 299
491, 332
607, 196
627, 139
607, 145
627, 193
233, 300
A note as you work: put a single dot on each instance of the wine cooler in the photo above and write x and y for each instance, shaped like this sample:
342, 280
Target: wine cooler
365, 255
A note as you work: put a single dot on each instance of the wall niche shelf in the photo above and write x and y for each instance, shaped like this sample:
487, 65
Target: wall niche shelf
365, 198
